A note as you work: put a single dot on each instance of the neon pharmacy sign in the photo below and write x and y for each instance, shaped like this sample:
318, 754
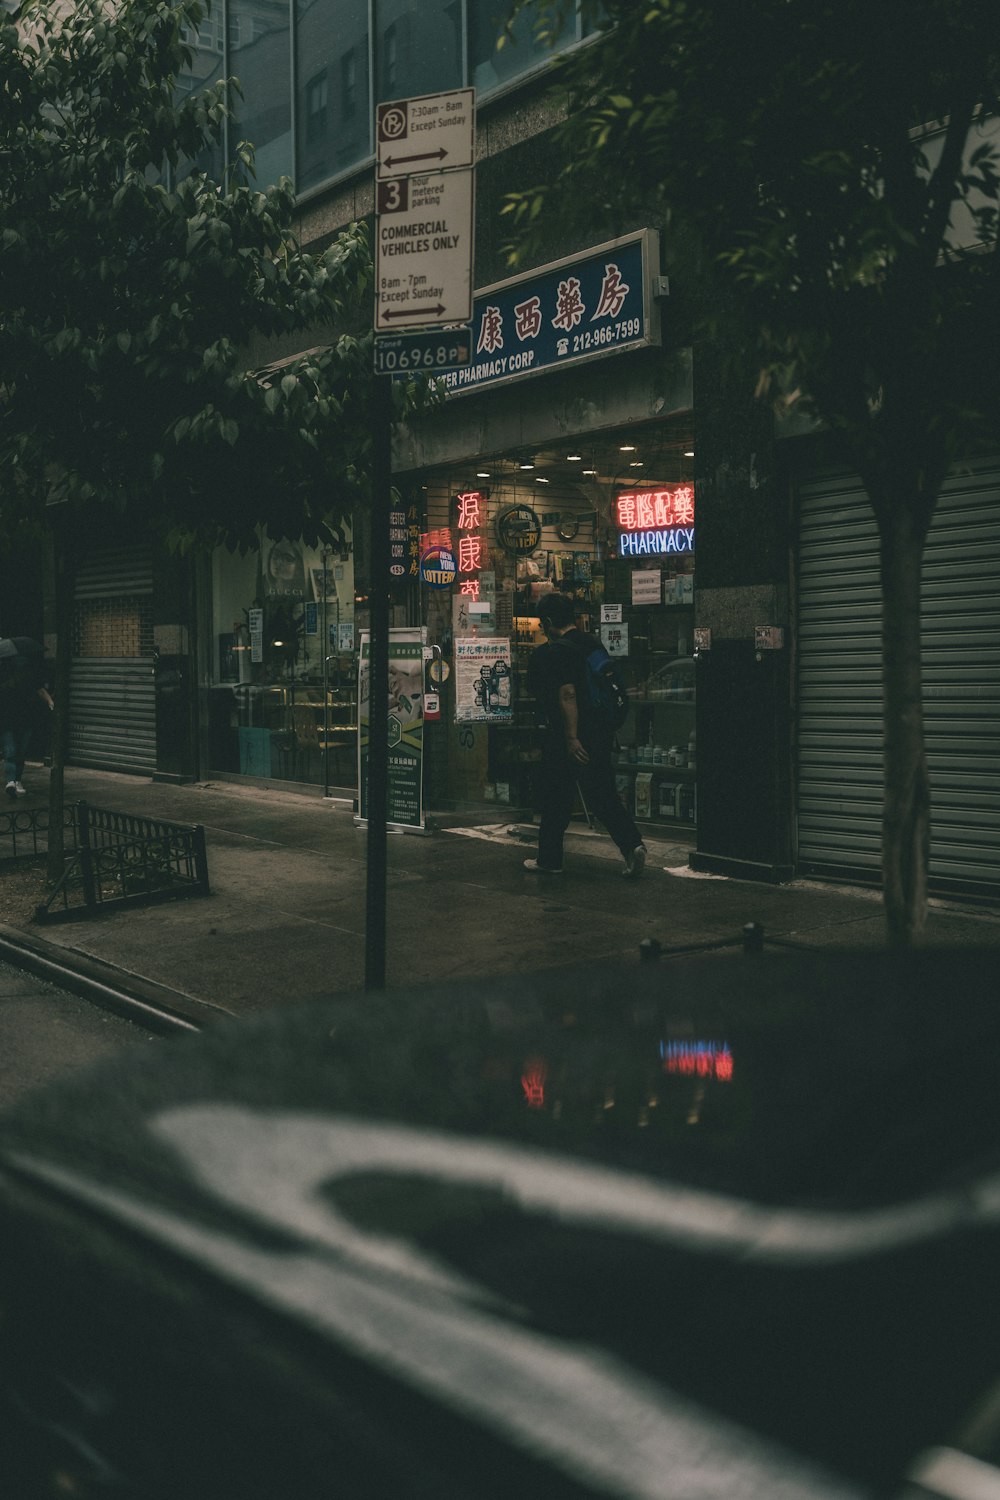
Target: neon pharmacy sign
656, 521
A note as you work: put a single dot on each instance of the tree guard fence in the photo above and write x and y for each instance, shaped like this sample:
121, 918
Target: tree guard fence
24, 832
121, 860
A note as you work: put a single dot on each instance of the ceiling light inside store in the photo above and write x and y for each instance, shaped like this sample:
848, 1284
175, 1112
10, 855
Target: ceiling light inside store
689, 453
526, 466
588, 471
482, 474
627, 448
637, 463
574, 458
541, 479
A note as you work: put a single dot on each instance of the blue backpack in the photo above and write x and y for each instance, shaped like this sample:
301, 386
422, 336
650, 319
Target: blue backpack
608, 695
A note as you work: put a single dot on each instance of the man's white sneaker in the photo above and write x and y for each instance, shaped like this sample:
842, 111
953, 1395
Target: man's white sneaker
19, 790
537, 869
634, 863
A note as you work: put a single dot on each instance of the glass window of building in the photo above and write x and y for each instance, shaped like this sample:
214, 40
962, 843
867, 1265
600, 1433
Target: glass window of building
260, 57
489, 67
317, 102
334, 104
281, 675
205, 69
419, 47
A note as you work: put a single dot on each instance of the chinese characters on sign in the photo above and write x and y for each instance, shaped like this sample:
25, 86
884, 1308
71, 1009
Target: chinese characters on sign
483, 680
654, 521
412, 541
470, 524
592, 305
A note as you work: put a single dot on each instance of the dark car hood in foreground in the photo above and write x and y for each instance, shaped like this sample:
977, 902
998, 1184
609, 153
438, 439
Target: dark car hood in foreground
722, 1228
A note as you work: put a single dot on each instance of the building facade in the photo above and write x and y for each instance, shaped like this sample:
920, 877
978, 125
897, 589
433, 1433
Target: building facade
589, 446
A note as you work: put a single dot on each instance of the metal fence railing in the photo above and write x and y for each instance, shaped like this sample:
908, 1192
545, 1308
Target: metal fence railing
24, 832
122, 860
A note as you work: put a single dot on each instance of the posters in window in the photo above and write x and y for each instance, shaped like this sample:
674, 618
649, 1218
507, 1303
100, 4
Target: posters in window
483, 683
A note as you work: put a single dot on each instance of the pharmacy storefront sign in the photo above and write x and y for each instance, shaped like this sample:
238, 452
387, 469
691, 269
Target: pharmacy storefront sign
585, 307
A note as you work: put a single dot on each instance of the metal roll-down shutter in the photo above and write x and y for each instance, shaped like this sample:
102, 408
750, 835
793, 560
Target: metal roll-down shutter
112, 693
840, 682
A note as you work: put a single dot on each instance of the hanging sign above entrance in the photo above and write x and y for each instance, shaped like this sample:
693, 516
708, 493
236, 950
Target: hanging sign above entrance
586, 307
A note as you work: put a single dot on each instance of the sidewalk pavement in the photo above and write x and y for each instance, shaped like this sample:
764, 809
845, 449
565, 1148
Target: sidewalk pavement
285, 920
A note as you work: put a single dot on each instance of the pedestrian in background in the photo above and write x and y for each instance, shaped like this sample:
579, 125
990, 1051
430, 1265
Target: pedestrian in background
576, 744
22, 682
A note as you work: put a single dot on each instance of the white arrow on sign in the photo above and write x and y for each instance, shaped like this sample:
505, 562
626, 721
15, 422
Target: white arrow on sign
423, 250
432, 130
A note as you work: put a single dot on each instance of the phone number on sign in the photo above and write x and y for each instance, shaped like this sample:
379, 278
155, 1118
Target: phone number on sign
595, 338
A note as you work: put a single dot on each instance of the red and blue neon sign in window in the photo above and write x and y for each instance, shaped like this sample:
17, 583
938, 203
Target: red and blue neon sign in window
655, 521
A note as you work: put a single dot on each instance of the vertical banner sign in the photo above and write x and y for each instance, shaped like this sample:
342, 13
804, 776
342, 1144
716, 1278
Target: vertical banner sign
483, 680
405, 728
397, 545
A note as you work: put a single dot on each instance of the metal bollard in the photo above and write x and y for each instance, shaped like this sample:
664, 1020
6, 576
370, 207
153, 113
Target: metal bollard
649, 949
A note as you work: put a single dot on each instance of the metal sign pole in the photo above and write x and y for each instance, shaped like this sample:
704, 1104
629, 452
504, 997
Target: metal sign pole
378, 686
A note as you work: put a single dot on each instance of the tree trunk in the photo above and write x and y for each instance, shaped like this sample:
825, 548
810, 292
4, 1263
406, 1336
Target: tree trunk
64, 555
906, 803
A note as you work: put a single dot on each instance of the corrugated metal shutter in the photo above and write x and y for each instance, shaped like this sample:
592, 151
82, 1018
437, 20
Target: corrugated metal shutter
840, 687
112, 692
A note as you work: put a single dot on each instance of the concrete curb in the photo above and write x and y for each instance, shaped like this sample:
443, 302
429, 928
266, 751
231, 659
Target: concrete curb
152, 1005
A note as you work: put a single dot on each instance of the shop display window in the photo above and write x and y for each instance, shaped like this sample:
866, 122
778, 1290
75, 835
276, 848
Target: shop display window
282, 681
610, 523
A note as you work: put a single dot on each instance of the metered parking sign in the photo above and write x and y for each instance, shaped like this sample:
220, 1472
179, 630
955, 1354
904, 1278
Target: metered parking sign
423, 250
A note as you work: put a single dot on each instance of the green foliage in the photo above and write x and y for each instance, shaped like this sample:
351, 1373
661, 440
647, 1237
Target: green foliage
128, 304
833, 165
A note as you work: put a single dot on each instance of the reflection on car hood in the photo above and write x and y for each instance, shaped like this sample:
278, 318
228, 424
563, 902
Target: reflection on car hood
698, 1229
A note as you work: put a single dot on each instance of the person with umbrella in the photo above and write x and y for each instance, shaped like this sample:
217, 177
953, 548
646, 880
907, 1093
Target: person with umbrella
22, 680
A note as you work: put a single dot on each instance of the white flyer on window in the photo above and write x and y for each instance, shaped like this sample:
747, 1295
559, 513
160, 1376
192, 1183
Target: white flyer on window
647, 586
614, 639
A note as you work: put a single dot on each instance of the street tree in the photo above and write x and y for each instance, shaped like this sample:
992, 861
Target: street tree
132, 285
835, 164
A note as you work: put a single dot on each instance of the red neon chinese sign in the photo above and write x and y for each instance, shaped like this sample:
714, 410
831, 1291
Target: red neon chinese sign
470, 523
649, 510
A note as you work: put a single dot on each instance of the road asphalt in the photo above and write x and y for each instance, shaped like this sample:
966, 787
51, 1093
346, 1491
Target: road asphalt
285, 918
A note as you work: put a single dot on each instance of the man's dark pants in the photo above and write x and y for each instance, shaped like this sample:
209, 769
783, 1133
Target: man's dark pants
557, 782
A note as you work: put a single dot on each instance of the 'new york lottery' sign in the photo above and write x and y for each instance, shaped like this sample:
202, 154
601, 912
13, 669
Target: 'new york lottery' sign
585, 307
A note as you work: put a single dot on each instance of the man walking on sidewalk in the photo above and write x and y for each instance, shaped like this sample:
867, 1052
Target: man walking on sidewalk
576, 744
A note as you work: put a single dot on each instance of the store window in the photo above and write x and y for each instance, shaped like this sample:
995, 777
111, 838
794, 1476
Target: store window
610, 523
282, 682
